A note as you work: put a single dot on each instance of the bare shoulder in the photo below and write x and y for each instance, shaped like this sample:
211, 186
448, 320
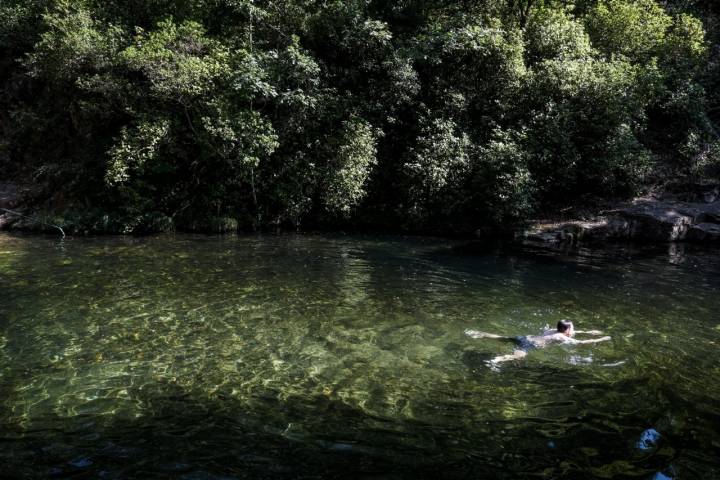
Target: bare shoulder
557, 337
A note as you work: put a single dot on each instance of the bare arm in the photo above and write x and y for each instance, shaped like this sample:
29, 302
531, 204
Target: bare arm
593, 340
589, 332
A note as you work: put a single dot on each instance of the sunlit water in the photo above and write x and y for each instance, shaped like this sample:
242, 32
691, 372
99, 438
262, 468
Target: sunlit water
321, 356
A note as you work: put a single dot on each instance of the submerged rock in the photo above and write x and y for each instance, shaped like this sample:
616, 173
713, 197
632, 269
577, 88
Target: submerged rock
81, 462
648, 439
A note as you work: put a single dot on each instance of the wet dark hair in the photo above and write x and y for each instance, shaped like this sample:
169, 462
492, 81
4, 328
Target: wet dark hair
564, 325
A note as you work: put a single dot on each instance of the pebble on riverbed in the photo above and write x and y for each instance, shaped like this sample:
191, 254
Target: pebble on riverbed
648, 439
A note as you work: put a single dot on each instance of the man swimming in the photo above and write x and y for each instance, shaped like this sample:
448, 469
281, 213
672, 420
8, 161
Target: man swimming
564, 335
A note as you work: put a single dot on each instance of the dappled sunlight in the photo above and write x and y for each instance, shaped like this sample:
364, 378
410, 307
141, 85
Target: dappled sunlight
347, 347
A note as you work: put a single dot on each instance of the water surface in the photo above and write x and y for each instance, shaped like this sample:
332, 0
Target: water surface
201, 357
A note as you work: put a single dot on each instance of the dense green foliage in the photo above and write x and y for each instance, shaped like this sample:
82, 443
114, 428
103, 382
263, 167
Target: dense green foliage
420, 115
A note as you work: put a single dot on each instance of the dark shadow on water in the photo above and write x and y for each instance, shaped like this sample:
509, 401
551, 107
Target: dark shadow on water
476, 360
190, 438
604, 254
190, 435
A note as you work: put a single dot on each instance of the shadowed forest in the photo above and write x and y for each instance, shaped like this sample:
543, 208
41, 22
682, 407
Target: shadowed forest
414, 115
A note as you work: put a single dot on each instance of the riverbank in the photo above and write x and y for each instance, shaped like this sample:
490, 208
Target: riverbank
692, 215
660, 219
9, 197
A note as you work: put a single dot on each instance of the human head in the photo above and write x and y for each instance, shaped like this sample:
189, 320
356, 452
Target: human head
566, 327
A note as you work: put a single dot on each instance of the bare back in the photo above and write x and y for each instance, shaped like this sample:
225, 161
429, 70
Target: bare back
548, 338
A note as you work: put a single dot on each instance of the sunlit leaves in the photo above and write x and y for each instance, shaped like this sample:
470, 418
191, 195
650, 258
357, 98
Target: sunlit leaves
585, 126
351, 166
248, 79
685, 46
440, 157
501, 180
242, 138
553, 34
296, 75
635, 29
73, 43
178, 60
135, 147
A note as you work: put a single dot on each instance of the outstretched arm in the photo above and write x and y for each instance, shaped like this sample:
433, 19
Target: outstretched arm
593, 340
590, 332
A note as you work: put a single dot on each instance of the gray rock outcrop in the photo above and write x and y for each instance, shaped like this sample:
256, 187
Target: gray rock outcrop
644, 219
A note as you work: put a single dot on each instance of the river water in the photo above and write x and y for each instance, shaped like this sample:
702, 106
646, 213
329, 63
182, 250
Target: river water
201, 357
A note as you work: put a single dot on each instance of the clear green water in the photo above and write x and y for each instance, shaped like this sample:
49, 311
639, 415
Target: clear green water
344, 357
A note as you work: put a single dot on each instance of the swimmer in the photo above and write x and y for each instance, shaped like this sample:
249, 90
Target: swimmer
564, 335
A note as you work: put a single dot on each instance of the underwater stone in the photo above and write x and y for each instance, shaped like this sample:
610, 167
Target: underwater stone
648, 439
81, 462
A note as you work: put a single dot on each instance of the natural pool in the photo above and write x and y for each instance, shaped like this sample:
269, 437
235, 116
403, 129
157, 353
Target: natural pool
201, 357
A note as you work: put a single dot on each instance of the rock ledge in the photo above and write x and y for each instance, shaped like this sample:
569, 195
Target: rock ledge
643, 219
